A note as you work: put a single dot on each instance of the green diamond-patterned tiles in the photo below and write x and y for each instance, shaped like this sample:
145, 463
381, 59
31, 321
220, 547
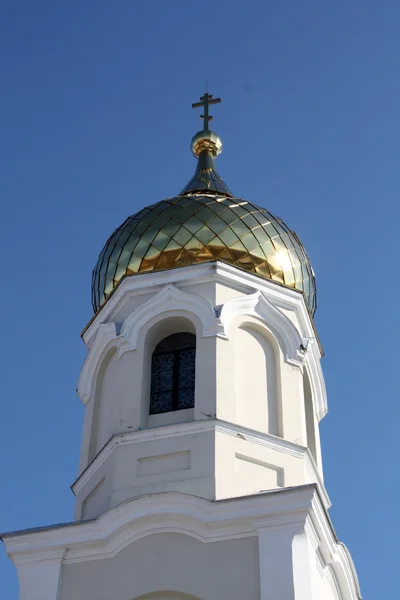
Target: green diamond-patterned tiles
197, 228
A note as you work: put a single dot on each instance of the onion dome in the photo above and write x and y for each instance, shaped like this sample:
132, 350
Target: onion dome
204, 223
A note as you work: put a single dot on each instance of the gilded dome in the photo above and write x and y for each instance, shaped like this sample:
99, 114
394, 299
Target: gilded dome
205, 222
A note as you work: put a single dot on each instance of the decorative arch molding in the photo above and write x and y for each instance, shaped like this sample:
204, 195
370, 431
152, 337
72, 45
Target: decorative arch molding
199, 518
169, 299
345, 575
106, 339
317, 383
330, 576
170, 512
258, 306
297, 350
214, 322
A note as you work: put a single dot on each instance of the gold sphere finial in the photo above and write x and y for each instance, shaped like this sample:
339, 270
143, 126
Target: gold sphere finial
206, 141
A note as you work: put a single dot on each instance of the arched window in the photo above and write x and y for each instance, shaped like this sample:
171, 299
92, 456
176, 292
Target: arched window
173, 373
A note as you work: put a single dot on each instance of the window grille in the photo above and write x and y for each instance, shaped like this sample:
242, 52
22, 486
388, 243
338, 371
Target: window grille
173, 369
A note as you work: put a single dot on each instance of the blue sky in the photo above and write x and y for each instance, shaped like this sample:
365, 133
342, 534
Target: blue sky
96, 122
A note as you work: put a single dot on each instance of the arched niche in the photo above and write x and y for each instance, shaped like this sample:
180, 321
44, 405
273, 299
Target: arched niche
150, 336
116, 391
257, 376
102, 416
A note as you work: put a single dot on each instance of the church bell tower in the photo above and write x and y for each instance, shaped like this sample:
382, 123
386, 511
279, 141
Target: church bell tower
200, 472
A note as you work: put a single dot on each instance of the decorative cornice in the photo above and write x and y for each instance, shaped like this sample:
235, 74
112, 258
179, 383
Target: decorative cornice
298, 508
146, 283
195, 428
167, 511
247, 283
47, 557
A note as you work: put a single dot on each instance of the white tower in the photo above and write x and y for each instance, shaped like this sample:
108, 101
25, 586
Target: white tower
200, 474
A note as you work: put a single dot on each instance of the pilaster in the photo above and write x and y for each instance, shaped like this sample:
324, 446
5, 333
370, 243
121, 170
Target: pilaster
287, 556
40, 579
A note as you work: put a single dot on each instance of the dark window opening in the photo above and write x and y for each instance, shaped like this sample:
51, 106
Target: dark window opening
173, 369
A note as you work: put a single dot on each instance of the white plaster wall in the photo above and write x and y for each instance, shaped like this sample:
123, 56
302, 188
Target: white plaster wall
122, 393
184, 463
312, 424
242, 378
225, 292
94, 497
180, 463
255, 372
168, 562
293, 409
95, 502
116, 392
243, 467
206, 290
225, 394
264, 547
327, 586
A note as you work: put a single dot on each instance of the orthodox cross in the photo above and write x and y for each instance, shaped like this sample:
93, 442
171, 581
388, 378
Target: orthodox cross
205, 101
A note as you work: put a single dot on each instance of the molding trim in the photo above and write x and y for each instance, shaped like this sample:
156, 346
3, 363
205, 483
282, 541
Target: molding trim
294, 509
257, 305
167, 511
51, 557
170, 298
297, 349
314, 473
334, 553
197, 427
317, 382
329, 575
212, 272
106, 339
263, 298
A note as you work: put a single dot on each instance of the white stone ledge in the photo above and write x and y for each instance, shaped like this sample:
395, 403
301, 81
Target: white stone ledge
196, 428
